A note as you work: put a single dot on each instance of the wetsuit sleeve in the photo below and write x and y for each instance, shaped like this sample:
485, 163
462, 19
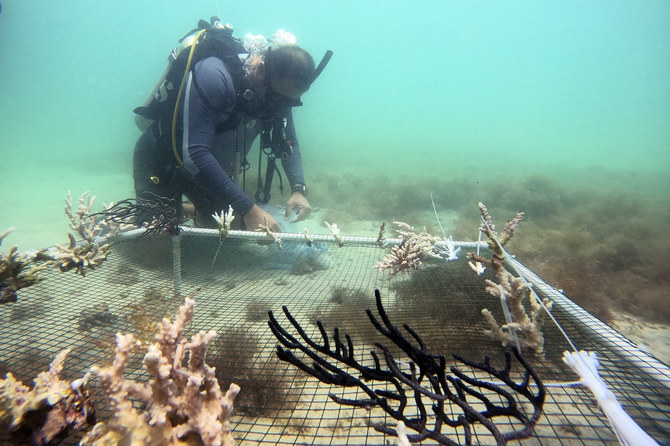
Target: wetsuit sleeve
293, 163
211, 98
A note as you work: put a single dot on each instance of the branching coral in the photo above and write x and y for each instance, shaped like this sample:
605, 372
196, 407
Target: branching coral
81, 220
335, 231
49, 410
16, 271
79, 256
415, 388
84, 254
408, 254
223, 221
268, 232
524, 327
184, 404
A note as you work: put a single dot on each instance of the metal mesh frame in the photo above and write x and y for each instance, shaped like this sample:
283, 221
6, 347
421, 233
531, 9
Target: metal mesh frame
441, 301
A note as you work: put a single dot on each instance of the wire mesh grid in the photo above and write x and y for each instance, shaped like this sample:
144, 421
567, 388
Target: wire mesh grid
236, 283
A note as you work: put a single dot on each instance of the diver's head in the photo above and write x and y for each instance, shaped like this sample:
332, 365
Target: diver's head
291, 70
282, 75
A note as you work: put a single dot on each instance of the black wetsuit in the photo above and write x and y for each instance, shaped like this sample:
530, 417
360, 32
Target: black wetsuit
210, 104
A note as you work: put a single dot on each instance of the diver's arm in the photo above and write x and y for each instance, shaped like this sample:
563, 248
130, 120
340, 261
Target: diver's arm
292, 165
210, 97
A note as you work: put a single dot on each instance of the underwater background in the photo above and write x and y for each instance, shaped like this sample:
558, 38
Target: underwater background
558, 109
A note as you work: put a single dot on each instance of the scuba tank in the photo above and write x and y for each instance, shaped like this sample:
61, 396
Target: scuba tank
164, 91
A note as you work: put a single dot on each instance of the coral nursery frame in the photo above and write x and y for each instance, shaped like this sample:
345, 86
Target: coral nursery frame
335, 284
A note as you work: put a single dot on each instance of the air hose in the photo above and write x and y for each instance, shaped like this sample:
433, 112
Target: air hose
180, 163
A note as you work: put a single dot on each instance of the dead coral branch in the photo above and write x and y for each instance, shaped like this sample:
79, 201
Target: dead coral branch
84, 254
79, 256
49, 410
81, 220
17, 271
268, 232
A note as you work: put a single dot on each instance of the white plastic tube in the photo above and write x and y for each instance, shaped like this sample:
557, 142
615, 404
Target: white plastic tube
585, 364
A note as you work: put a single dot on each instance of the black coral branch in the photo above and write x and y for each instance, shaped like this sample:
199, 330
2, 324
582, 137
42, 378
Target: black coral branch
417, 390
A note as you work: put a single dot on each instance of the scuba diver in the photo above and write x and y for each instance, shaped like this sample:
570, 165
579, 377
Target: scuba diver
216, 97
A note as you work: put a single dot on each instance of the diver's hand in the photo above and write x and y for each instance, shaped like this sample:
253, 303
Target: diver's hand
299, 204
257, 216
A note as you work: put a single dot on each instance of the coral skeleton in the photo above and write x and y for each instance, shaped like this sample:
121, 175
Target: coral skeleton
17, 271
81, 220
409, 253
450, 251
268, 232
523, 327
184, 403
477, 267
79, 256
86, 253
223, 221
335, 231
421, 394
50, 410
308, 238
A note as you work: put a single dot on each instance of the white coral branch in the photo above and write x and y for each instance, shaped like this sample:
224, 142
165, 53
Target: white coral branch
335, 231
451, 251
223, 221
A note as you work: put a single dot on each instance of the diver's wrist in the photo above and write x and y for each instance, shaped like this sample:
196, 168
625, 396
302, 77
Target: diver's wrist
300, 188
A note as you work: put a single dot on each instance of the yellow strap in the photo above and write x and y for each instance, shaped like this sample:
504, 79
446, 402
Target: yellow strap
180, 164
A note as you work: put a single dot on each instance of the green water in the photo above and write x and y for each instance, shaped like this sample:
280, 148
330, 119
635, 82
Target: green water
446, 89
